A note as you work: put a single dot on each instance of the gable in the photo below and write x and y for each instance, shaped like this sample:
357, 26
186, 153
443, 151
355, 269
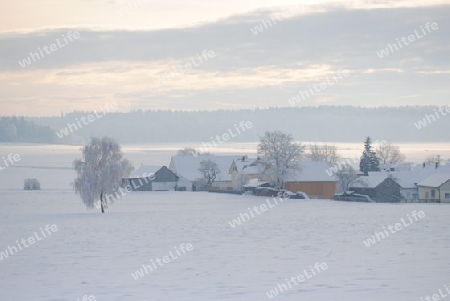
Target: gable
165, 175
388, 182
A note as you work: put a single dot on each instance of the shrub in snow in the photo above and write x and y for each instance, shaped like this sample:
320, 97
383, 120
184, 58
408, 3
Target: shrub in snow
31, 184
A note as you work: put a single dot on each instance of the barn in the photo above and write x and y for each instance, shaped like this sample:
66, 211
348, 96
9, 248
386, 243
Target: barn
313, 180
379, 187
153, 178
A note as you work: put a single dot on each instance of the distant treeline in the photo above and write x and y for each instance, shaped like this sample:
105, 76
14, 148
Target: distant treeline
324, 123
23, 130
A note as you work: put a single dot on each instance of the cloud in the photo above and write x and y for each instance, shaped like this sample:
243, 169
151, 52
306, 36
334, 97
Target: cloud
266, 69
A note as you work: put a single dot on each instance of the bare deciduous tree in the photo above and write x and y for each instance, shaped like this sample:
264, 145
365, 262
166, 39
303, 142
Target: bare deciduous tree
280, 155
100, 172
434, 160
389, 153
209, 170
324, 153
347, 176
187, 151
190, 151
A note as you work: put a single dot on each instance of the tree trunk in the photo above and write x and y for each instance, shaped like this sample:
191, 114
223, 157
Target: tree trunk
101, 202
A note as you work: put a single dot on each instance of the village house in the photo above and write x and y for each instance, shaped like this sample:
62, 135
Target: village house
244, 170
435, 188
408, 180
228, 179
313, 180
379, 186
157, 178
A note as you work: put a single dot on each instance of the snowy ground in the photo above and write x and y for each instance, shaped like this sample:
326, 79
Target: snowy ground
95, 254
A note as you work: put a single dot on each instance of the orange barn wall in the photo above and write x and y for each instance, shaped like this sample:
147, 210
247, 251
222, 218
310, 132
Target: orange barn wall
318, 190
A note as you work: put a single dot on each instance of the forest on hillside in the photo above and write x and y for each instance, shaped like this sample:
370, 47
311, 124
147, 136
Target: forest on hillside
324, 123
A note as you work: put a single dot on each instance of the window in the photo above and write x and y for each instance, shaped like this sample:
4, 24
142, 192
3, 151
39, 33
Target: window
433, 193
427, 195
447, 195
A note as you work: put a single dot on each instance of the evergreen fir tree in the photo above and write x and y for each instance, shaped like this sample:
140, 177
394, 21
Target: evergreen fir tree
369, 160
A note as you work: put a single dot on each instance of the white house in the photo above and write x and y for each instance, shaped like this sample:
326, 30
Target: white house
187, 167
435, 188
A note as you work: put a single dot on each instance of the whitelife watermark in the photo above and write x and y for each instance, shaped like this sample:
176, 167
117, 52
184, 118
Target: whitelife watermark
87, 298
244, 217
341, 165
280, 288
266, 24
49, 49
206, 147
181, 69
12, 158
129, 6
431, 118
317, 88
11, 250
391, 48
436, 297
162, 261
378, 236
128, 188
86, 120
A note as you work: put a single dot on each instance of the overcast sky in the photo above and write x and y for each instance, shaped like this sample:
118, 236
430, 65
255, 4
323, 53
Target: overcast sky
121, 54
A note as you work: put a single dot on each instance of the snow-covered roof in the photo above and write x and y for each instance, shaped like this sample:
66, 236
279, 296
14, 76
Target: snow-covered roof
187, 166
372, 180
435, 180
145, 171
409, 179
312, 171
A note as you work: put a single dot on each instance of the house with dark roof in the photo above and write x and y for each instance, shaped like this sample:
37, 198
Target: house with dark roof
379, 186
157, 178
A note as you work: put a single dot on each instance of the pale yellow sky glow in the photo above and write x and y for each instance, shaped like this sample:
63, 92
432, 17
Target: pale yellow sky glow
30, 15
109, 64
73, 88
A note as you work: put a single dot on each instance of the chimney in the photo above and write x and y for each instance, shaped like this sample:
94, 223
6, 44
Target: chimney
437, 165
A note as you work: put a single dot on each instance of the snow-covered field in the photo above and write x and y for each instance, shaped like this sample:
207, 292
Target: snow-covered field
95, 255
92, 254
